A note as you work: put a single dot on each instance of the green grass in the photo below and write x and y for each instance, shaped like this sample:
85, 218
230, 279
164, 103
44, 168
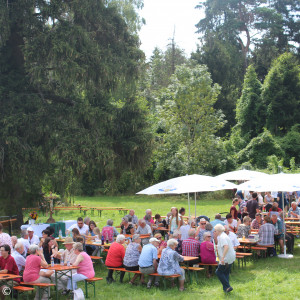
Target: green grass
271, 278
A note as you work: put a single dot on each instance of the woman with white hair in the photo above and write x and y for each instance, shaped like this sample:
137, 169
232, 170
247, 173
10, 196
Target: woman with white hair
226, 256
169, 262
32, 273
114, 258
85, 267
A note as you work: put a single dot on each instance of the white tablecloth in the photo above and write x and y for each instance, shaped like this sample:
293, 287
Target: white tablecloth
38, 228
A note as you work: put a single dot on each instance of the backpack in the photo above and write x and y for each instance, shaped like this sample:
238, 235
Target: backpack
108, 233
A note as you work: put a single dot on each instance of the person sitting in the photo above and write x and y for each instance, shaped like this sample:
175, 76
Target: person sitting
66, 256
217, 220
148, 219
134, 218
149, 212
207, 252
159, 222
87, 221
274, 210
49, 249
81, 239
278, 224
208, 228
14, 241
176, 236
45, 234
244, 229
257, 222
268, 200
32, 238
144, 229
184, 230
126, 227
233, 211
33, 274
7, 266
109, 231
200, 230
114, 258
169, 263
148, 261
5, 238
191, 246
232, 223
19, 258
294, 211
182, 211
90, 236
233, 237
80, 226
132, 255
162, 244
85, 270
242, 206
24, 241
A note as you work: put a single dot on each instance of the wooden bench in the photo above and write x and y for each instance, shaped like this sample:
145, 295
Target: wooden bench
23, 289
42, 287
81, 209
92, 282
192, 271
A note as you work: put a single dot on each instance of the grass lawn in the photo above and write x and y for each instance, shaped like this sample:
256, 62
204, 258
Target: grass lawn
270, 278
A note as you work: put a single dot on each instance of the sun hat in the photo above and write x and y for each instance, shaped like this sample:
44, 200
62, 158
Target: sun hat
68, 240
153, 240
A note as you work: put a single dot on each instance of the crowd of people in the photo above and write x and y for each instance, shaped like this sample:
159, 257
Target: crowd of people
149, 244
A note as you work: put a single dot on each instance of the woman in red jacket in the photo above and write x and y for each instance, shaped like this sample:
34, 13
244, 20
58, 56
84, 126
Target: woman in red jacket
115, 257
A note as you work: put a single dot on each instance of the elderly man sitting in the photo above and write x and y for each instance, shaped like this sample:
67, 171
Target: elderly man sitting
32, 238
294, 211
109, 231
266, 235
217, 220
149, 213
233, 237
257, 222
66, 256
24, 241
144, 229
132, 217
278, 231
19, 258
169, 263
191, 246
148, 261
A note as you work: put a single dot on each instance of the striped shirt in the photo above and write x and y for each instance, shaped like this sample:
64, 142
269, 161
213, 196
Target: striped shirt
191, 247
266, 234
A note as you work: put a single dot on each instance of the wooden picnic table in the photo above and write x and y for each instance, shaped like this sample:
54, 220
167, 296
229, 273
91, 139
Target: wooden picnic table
83, 209
291, 219
296, 223
9, 277
61, 271
100, 209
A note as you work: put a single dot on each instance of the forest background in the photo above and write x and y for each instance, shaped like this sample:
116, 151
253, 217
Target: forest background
83, 113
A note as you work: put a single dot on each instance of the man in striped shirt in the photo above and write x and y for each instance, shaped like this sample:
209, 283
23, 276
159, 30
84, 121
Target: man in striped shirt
191, 246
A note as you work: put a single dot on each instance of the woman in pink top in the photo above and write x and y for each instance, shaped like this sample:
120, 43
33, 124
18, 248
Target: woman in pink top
85, 264
33, 273
207, 252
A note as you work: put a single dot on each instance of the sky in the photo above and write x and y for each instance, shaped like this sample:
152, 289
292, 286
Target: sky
162, 16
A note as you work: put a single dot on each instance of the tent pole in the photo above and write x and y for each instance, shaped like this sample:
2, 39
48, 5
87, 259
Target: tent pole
195, 208
189, 208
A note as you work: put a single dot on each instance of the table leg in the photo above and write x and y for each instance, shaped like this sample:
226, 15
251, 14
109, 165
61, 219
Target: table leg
100, 213
56, 288
71, 278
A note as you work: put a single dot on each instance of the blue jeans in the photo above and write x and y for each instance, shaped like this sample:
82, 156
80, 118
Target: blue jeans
223, 274
75, 278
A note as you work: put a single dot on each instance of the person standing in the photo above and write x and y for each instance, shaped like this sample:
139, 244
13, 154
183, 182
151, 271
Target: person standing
252, 206
226, 256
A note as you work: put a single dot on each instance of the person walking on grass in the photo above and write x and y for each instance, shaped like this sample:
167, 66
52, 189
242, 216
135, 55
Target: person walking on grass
226, 256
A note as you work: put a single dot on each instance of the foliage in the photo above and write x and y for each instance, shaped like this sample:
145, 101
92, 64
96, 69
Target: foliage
258, 149
281, 94
188, 123
249, 108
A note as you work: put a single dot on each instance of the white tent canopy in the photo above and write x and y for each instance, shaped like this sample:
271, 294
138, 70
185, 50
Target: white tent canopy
242, 175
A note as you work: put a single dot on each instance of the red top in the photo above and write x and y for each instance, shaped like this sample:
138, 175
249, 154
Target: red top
235, 215
207, 253
278, 209
32, 268
10, 265
115, 255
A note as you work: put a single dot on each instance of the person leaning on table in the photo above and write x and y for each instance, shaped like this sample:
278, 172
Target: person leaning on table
67, 255
32, 273
169, 263
85, 267
226, 256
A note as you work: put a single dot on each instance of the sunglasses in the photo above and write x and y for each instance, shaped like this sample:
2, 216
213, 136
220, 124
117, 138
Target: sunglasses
203, 223
159, 238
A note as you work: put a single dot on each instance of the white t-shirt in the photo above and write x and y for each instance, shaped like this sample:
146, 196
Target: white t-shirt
274, 195
82, 230
233, 238
223, 239
19, 259
233, 223
34, 241
184, 230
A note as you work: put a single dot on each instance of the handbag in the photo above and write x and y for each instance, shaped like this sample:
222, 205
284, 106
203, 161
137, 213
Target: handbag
78, 294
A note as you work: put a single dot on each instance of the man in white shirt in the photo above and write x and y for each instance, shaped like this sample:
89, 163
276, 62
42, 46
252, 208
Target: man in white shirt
24, 241
184, 230
226, 256
231, 223
144, 229
19, 258
82, 228
32, 238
